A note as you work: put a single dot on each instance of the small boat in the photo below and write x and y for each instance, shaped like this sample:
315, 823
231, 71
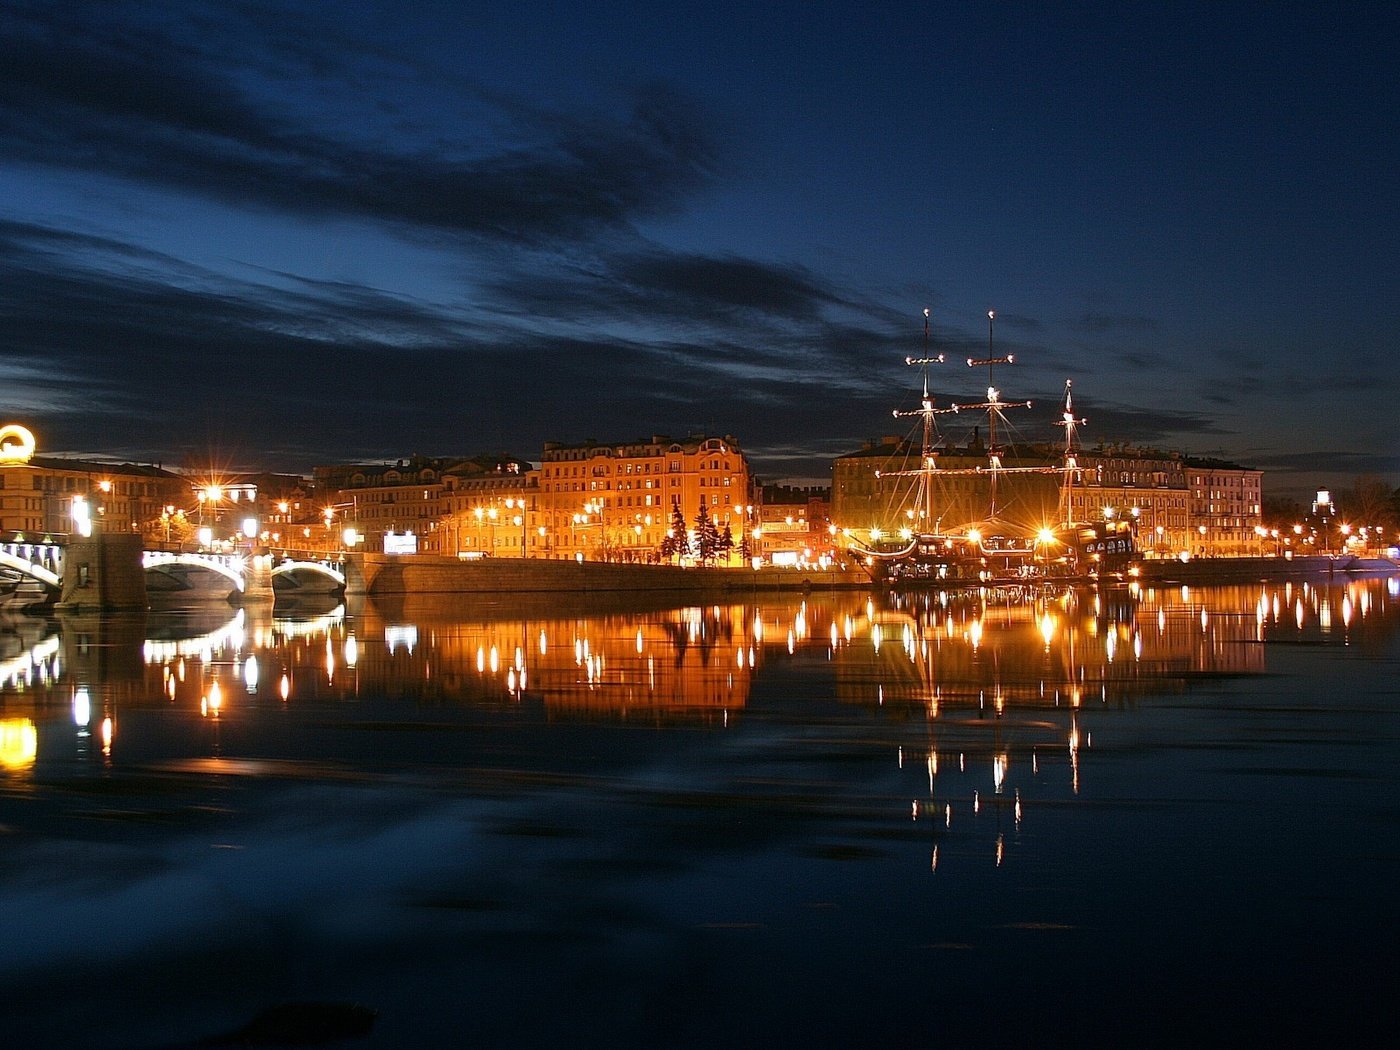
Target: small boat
991, 548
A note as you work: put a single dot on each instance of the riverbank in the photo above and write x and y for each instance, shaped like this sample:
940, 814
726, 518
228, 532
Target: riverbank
1237, 570
376, 575
385, 575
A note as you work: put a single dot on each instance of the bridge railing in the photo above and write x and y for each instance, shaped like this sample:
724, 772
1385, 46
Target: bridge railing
48, 556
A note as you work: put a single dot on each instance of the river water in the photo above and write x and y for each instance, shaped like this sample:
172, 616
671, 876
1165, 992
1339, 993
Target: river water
1161, 817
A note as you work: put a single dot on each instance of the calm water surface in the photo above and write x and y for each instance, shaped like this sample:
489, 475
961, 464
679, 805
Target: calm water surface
1159, 817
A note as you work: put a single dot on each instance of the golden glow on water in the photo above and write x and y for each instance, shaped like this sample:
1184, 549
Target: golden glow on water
19, 743
1005, 689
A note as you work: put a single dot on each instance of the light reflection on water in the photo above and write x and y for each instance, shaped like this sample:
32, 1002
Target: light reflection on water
706, 767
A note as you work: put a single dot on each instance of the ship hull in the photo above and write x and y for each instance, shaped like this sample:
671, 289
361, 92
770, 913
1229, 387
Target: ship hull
1081, 552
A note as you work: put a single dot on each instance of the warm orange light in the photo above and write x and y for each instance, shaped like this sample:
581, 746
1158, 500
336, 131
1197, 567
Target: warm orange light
19, 743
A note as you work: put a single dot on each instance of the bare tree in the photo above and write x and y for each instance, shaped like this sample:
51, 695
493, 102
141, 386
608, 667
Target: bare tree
1369, 503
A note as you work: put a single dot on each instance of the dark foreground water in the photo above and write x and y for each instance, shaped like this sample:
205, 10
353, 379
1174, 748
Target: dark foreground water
1164, 818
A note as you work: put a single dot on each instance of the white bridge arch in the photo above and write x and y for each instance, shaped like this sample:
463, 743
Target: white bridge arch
29, 567
230, 566
316, 568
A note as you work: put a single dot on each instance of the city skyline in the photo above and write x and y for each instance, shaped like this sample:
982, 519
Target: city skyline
270, 236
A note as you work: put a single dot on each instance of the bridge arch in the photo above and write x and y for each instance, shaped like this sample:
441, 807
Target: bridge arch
326, 572
32, 569
214, 563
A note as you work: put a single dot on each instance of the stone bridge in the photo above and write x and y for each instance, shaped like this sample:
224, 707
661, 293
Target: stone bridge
114, 572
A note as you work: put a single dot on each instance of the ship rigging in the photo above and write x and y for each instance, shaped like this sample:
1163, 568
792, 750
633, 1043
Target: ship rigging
987, 547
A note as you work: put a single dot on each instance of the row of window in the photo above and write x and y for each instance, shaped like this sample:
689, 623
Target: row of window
674, 466
50, 483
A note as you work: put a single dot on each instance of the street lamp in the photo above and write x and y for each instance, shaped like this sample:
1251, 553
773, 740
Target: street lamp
1044, 539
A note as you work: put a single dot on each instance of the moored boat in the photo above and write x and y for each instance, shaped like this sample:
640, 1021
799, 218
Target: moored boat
994, 547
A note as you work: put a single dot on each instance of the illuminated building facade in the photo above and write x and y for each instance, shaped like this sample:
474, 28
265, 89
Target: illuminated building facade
792, 526
866, 496
385, 503
1226, 502
1146, 485
38, 493
491, 508
1181, 505
616, 502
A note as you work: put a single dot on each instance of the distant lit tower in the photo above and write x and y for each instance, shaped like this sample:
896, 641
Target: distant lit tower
1324, 510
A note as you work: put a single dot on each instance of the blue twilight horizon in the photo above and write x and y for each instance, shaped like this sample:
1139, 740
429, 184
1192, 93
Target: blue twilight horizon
278, 234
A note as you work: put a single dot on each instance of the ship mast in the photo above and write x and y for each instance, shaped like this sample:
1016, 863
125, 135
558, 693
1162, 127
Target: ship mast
1071, 465
993, 406
928, 453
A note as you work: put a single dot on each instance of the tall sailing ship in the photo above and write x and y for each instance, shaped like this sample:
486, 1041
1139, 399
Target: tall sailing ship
990, 547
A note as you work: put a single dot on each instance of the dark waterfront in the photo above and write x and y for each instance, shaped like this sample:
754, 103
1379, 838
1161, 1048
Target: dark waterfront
1161, 817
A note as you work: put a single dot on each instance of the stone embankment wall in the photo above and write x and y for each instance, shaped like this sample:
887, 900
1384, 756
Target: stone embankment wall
381, 574
1234, 570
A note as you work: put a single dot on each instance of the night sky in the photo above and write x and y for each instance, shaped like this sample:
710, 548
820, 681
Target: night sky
284, 234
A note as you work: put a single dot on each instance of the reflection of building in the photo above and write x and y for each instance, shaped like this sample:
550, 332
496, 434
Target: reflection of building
966, 664
665, 664
616, 502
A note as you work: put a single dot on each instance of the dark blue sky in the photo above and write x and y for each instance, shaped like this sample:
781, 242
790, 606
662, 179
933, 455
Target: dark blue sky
282, 234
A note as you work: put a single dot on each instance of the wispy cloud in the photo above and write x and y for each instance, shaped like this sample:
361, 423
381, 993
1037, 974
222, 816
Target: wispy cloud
81, 94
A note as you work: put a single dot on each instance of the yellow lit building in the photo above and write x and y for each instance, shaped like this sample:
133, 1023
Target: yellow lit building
616, 502
792, 526
1226, 504
491, 508
38, 494
385, 503
1180, 505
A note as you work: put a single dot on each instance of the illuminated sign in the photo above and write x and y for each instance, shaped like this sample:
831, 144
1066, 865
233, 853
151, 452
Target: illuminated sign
16, 444
396, 544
